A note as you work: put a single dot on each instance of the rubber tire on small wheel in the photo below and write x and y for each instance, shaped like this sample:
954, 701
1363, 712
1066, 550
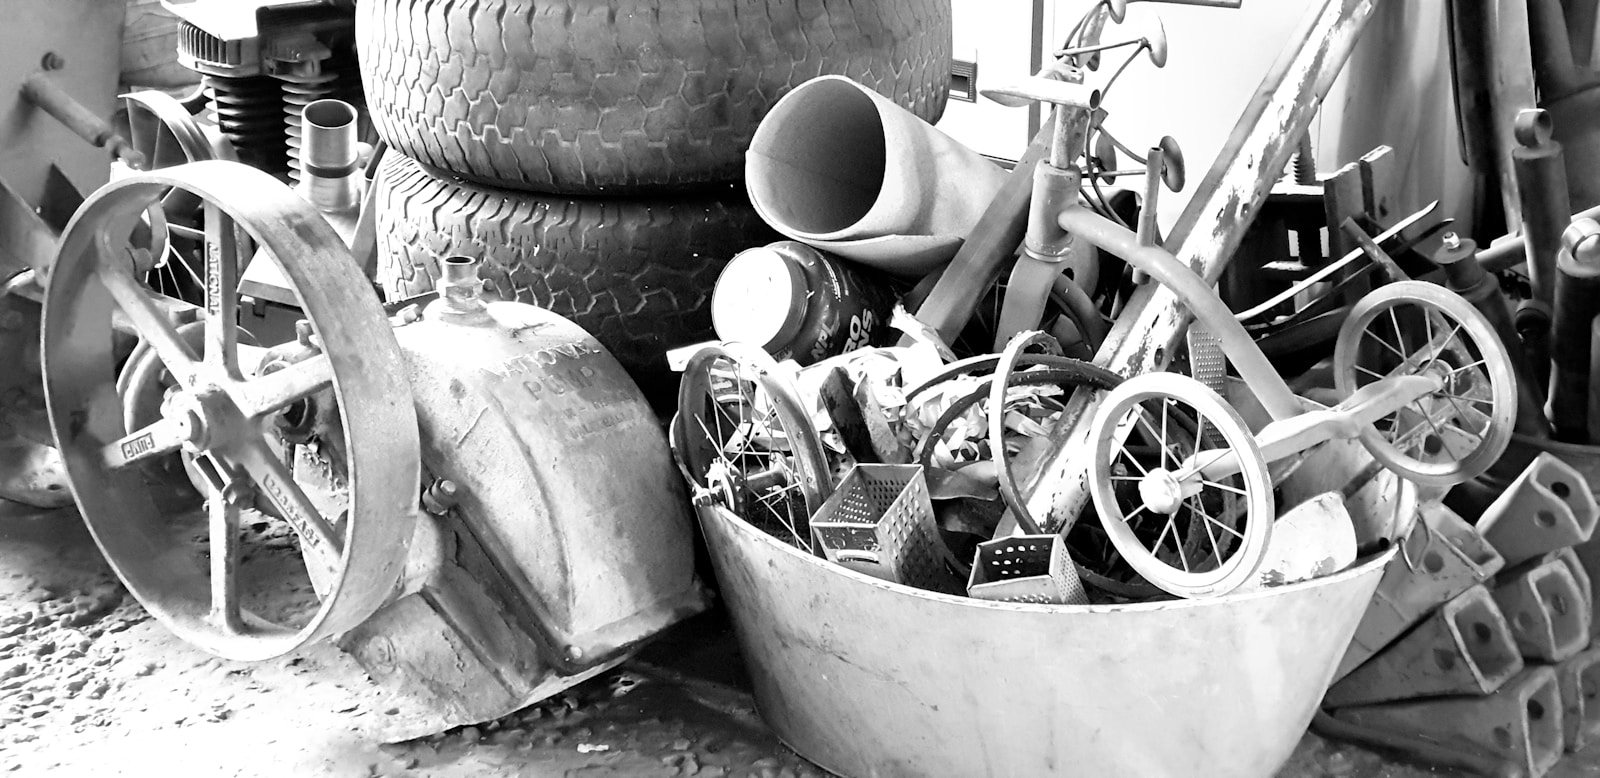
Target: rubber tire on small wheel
583, 96
637, 274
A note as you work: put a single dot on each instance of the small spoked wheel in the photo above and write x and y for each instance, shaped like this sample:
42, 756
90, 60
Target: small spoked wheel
745, 441
201, 571
1183, 528
162, 129
1417, 328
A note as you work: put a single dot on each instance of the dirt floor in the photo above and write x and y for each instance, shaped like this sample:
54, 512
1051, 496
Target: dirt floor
90, 685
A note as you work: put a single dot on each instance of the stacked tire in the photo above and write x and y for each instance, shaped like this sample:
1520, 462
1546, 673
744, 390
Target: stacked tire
591, 152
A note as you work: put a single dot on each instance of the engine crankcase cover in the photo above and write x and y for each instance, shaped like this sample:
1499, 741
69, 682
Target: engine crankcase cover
564, 475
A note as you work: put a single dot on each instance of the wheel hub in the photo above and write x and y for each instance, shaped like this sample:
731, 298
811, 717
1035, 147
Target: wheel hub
1162, 491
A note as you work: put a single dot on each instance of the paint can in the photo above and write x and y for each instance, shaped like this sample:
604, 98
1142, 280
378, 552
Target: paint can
800, 303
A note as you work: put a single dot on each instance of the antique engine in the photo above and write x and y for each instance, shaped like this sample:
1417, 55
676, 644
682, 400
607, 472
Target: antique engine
261, 62
472, 496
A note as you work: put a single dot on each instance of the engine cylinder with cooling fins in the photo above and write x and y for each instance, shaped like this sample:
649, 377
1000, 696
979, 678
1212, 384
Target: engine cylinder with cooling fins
298, 92
249, 111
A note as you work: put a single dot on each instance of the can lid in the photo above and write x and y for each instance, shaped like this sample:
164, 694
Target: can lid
760, 298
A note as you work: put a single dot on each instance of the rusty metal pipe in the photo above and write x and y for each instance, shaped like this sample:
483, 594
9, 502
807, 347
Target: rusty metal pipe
1594, 378
1503, 256
1577, 303
1197, 295
1542, 189
44, 92
1206, 235
1552, 50
1533, 326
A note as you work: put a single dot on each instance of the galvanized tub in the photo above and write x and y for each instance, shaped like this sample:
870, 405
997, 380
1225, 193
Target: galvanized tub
873, 679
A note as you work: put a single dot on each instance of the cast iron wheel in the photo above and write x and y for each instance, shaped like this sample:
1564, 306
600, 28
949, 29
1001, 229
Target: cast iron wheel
587, 96
224, 418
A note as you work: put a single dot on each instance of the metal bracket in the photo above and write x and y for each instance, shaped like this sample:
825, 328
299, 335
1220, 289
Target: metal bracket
1465, 647
1520, 724
1442, 557
1547, 508
1546, 610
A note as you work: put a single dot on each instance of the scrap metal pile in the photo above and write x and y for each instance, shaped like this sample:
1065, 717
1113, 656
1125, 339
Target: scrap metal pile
1066, 408
993, 412
974, 473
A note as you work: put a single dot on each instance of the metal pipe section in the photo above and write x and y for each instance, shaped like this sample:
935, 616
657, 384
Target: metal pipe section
1465, 277
459, 286
1197, 295
1503, 256
1533, 326
1577, 303
48, 95
1542, 187
1206, 236
328, 158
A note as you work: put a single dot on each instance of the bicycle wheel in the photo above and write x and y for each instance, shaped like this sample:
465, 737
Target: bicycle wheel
746, 442
1417, 328
1153, 514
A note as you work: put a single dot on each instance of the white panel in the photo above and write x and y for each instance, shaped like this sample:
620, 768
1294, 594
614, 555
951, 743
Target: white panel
999, 36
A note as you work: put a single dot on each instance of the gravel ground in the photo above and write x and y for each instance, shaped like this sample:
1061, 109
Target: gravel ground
91, 685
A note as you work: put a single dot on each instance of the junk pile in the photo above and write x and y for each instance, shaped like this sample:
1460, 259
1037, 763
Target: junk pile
865, 471
995, 476
962, 402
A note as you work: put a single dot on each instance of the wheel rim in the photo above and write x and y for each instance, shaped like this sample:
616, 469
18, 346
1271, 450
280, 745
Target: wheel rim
1229, 519
162, 129
745, 440
225, 416
1413, 327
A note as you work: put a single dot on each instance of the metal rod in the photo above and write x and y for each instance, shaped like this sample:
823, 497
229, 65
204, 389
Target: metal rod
1577, 303
1205, 237
44, 92
1533, 326
1594, 378
1501, 257
1542, 189
1269, 386
1206, 3
1152, 192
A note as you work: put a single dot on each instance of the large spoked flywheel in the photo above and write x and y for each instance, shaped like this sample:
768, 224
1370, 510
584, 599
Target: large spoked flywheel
193, 570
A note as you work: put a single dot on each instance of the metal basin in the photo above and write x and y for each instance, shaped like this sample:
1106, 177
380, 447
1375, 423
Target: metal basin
870, 678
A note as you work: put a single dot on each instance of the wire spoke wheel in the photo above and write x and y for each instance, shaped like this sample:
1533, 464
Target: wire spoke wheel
745, 441
1189, 534
1417, 328
161, 128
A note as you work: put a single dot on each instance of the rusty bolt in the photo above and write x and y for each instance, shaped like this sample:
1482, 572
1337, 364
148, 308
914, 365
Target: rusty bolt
441, 496
236, 492
407, 315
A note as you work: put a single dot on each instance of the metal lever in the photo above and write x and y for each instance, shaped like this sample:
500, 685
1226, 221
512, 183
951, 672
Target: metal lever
1156, 44
48, 95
